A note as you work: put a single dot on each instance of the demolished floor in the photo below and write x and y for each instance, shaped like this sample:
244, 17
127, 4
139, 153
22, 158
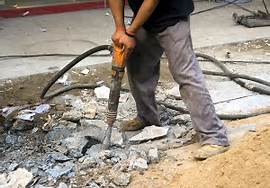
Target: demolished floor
57, 143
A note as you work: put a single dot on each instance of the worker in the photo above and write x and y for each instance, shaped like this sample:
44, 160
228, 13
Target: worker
164, 26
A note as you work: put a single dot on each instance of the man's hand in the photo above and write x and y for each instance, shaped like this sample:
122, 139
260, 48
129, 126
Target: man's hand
118, 34
128, 44
123, 41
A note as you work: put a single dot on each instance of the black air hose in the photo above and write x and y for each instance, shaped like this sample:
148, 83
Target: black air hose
226, 72
68, 67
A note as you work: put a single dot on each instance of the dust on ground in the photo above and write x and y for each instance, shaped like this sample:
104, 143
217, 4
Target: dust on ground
246, 164
27, 90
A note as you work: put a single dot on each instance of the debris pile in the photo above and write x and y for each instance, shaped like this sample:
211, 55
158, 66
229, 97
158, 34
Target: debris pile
60, 143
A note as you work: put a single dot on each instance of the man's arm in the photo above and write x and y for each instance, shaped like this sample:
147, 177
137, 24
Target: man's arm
120, 38
117, 8
145, 11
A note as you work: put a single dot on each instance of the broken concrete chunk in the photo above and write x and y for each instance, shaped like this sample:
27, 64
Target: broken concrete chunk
149, 133
88, 162
179, 131
102, 92
93, 123
11, 139
58, 157
75, 145
153, 155
95, 150
121, 179
85, 71
61, 130
73, 115
60, 170
16, 179
62, 185
26, 115
70, 100
116, 138
21, 125
64, 80
139, 164
135, 153
13, 166
89, 111
61, 149
181, 119
43, 108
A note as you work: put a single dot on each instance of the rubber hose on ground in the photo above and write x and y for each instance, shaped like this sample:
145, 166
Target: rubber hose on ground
226, 73
221, 116
68, 67
230, 75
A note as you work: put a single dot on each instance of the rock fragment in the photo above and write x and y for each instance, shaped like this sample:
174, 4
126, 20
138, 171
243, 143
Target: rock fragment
93, 123
85, 71
22, 125
139, 164
179, 131
149, 133
102, 92
60, 170
153, 155
121, 179
11, 139
73, 115
87, 162
181, 119
16, 179
61, 131
58, 157
13, 166
89, 111
62, 185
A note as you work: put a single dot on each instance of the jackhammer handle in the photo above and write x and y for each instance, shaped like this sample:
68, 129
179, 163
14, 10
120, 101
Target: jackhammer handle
118, 71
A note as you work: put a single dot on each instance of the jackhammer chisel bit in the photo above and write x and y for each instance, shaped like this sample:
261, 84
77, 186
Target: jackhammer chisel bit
118, 71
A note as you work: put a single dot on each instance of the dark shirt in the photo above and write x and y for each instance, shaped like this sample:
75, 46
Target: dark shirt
167, 13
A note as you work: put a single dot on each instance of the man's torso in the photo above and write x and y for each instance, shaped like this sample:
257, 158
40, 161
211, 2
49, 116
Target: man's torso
167, 13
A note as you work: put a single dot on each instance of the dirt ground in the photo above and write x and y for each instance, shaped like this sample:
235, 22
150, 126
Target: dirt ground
26, 90
246, 164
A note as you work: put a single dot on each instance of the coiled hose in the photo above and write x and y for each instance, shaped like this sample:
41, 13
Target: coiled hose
226, 73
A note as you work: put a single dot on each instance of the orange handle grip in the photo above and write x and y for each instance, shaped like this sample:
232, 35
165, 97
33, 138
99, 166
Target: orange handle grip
119, 59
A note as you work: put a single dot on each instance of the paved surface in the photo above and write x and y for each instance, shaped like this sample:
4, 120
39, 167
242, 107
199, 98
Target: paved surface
78, 31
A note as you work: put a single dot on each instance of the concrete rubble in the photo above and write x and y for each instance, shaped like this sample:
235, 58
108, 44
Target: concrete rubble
121, 179
72, 135
102, 92
62, 144
139, 164
16, 179
153, 155
149, 133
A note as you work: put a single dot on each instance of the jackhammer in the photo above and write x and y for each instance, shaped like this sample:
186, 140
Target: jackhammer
118, 71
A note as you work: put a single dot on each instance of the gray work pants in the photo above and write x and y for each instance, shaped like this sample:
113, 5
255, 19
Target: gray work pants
143, 72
